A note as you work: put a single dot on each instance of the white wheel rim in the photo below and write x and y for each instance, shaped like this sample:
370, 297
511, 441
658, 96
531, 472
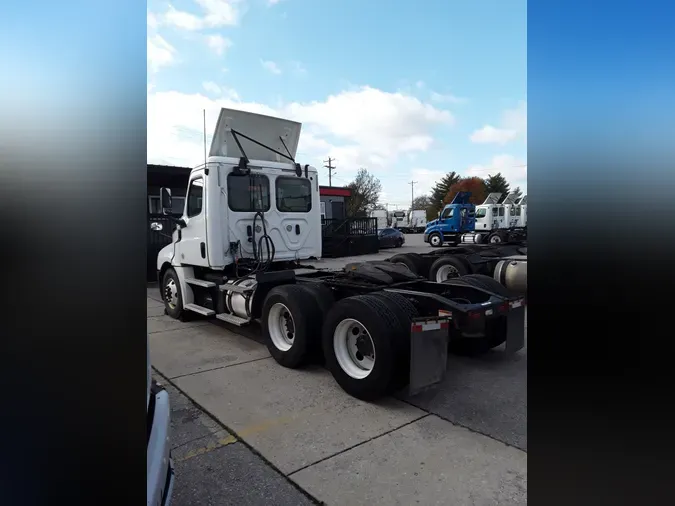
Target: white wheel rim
281, 326
348, 337
495, 239
435, 240
446, 272
171, 294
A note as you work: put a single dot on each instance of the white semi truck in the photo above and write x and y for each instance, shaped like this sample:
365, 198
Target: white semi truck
252, 214
499, 222
412, 222
382, 217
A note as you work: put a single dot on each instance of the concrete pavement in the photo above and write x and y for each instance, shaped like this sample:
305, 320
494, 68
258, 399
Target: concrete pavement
259, 431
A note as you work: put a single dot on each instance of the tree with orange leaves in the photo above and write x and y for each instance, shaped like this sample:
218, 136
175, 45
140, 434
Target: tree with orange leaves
475, 185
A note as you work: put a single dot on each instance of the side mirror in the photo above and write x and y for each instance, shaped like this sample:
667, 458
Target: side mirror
165, 200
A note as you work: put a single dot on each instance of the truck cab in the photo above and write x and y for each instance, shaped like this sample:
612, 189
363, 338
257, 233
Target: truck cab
247, 202
456, 218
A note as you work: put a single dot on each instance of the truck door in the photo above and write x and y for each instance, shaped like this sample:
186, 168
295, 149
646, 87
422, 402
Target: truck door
191, 249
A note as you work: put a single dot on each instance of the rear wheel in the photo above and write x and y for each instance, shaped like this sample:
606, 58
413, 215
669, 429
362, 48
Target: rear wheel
448, 267
494, 335
496, 238
435, 240
291, 320
359, 338
412, 261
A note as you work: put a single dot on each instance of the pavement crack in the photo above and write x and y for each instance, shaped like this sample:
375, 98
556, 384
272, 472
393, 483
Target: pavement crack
359, 444
217, 368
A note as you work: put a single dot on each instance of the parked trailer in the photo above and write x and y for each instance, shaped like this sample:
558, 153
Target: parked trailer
235, 257
505, 263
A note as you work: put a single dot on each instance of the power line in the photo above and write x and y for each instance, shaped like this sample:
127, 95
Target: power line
330, 169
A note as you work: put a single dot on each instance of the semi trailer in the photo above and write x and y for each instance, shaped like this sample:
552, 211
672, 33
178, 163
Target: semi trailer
412, 222
251, 216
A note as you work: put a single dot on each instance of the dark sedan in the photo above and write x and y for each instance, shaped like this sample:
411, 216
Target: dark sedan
390, 238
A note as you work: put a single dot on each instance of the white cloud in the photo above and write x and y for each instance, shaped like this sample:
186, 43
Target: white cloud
513, 126
273, 2
214, 14
365, 127
491, 135
514, 169
270, 66
215, 89
446, 98
218, 43
160, 53
153, 22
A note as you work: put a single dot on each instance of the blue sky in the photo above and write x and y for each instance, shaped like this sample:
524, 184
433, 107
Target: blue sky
406, 91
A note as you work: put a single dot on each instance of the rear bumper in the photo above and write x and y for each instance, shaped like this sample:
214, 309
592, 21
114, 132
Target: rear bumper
160, 469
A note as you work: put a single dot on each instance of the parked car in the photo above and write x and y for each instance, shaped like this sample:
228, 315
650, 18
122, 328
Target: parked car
159, 462
390, 238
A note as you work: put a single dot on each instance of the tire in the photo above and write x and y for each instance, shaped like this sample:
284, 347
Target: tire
172, 295
412, 261
482, 281
450, 263
324, 297
378, 318
435, 240
495, 335
405, 312
291, 321
495, 238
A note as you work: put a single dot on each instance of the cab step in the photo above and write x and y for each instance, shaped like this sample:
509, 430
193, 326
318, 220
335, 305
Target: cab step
200, 282
200, 309
233, 319
230, 287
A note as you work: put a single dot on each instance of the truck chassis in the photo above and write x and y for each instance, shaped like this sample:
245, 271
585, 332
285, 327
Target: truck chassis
377, 326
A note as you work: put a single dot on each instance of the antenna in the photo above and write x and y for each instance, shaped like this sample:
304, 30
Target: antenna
205, 158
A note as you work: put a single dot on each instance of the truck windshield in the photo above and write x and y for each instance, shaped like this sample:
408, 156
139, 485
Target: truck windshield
448, 212
481, 212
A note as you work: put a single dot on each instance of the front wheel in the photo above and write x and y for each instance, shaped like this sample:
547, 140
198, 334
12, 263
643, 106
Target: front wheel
435, 240
172, 296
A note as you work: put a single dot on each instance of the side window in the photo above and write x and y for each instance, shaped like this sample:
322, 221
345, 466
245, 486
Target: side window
481, 213
518, 211
495, 212
248, 193
513, 211
448, 213
501, 211
294, 195
153, 202
195, 197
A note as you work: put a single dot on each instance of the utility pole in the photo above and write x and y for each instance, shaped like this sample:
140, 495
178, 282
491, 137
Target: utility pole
412, 194
330, 168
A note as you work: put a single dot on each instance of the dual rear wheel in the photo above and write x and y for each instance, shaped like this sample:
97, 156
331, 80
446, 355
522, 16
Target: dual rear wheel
364, 339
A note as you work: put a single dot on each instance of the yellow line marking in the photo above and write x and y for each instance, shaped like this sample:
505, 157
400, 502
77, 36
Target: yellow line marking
208, 448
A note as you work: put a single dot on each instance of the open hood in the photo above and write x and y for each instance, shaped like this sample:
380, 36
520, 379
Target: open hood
492, 199
264, 129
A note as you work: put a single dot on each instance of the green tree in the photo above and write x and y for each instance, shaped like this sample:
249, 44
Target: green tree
497, 184
517, 192
365, 195
439, 191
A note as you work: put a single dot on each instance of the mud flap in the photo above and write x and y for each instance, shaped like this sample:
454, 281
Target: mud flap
428, 353
515, 331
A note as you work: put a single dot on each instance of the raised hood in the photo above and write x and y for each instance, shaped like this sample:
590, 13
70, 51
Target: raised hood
264, 129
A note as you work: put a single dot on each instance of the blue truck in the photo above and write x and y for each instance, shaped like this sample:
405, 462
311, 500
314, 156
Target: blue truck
456, 219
